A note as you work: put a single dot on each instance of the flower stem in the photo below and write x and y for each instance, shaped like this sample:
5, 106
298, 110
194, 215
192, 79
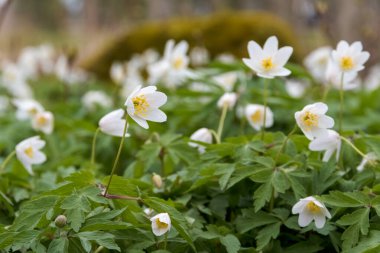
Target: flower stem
284, 143
94, 146
117, 155
265, 97
341, 94
6, 160
221, 121
353, 146
326, 91
215, 136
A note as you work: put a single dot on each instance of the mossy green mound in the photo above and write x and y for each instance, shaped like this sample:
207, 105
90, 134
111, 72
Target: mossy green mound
223, 32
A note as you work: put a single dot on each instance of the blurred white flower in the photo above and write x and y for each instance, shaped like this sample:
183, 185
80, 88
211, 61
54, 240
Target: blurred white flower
333, 76
296, 87
313, 121
370, 158
226, 80
148, 211
310, 209
95, 98
43, 121
268, 61
117, 72
28, 152
226, 58
27, 108
113, 123
372, 82
68, 74
228, 99
349, 58
254, 113
316, 62
143, 104
14, 81
161, 224
330, 142
173, 67
201, 135
35, 60
199, 56
132, 80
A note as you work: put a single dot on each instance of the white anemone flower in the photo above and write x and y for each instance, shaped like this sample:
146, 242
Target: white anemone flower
268, 61
296, 87
94, 98
27, 108
172, 69
113, 123
349, 58
329, 142
4, 104
310, 209
334, 77
370, 158
202, 135
226, 80
117, 72
316, 62
28, 152
143, 104
313, 121
43, 121
228, 99
254, 113
161, 224
199, 56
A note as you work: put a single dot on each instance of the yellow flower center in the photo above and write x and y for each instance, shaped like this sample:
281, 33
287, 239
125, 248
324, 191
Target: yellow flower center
256, 117
161, 225
267, 63
41, 120
346, 63
29, 152
33, 111
310, 119
178, 62
141, 104
313, 208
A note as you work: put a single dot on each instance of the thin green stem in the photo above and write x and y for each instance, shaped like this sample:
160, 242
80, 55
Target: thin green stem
7, 159
221, 121
215, 136
117, 156
284, 143
94, 145
353, 146
341, 94
326, 92
265, 97
99, 249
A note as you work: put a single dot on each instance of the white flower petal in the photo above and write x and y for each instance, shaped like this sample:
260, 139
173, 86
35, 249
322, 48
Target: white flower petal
282, 56
304, 219
320, 221
155, 115
142, 122
271, 45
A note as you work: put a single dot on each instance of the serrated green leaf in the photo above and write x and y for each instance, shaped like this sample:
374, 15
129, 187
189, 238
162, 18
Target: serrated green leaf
231, 243
59, 245
341, 199
266, 234
360, 217
262, 195
251, 220
350, 237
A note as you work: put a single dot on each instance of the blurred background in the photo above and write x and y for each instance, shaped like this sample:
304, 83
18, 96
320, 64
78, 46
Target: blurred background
83, 27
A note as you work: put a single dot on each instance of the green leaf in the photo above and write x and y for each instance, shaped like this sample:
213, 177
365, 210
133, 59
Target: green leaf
266, 234
350, 237
250, 220
360, 217
262, 195
231, 243
60, 245
369, 244
342, 199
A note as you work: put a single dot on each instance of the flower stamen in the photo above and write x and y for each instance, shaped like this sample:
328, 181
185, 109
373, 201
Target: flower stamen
267, 63
141, 105
161, 225
310, 119
346, 63
29, 152
313, 208
257, 116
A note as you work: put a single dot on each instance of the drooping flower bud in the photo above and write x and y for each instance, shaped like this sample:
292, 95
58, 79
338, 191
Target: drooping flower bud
157, 180
60, 221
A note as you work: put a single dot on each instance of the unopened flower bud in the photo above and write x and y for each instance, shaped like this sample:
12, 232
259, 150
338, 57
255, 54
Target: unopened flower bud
157, 180
60, 221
